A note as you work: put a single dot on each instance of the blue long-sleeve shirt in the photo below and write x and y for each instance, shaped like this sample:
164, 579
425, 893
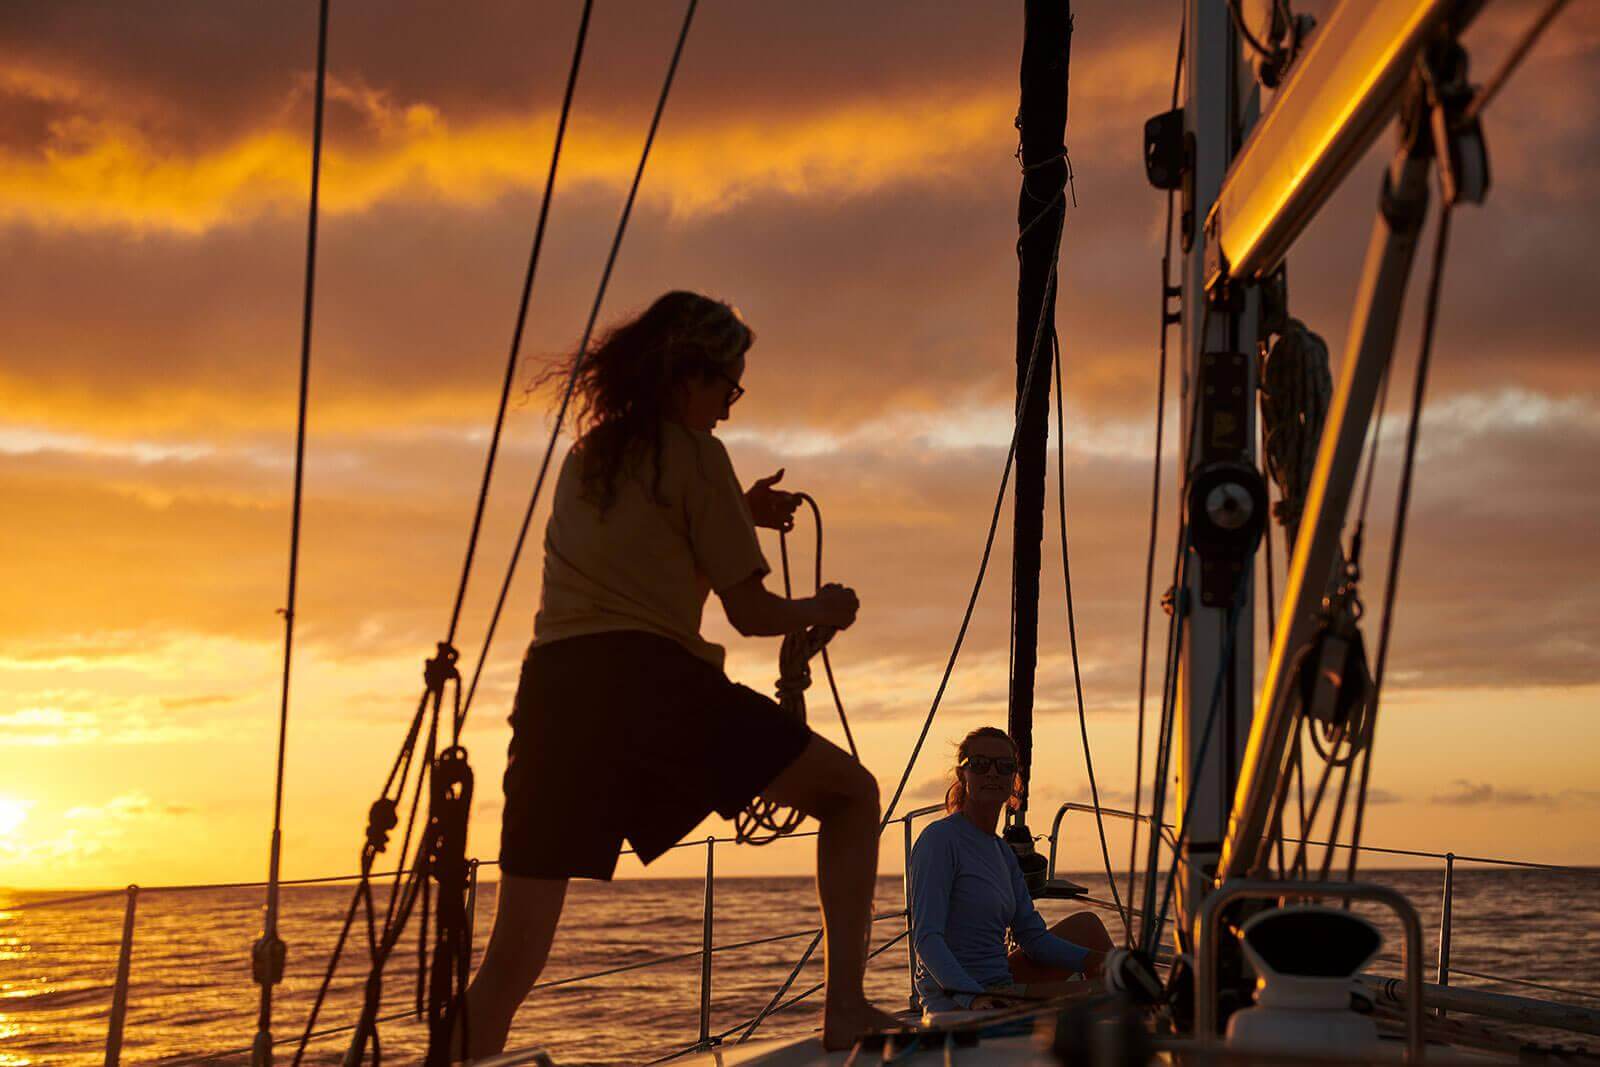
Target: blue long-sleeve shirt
966, 891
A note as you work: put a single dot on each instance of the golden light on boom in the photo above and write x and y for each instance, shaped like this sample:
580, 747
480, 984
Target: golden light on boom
1337, 100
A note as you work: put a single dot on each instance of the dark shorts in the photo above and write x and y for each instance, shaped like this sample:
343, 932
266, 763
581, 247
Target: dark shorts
629, 735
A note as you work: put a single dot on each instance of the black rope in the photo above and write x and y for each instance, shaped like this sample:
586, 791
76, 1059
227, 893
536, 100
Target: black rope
521, 322
1172, 658
1358, 539
1402, 510
1244, 31
816, 587
1155, 491
763, 821
577, 363
1072, 638
268, 958
1172, 655
1230, 636
994, 523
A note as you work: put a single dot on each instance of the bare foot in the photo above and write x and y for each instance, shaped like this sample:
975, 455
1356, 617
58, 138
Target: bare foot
844, 1025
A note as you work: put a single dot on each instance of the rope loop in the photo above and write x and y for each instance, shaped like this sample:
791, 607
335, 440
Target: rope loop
763, 822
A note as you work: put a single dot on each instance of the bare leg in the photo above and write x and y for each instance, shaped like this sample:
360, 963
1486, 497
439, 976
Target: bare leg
525, 919
1083, 929
827, 784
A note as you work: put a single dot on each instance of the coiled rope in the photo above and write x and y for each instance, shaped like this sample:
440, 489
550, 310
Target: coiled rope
762, 821
1296, 389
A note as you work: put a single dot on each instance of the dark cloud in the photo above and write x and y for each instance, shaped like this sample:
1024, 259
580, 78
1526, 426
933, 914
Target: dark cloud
1464, 793
205, 71
896, 295
1467, 793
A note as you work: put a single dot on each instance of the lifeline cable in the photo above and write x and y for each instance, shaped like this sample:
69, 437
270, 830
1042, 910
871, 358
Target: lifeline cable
267, 957
1072, 638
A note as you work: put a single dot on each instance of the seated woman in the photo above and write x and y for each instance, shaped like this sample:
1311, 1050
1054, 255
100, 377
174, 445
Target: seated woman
967, 890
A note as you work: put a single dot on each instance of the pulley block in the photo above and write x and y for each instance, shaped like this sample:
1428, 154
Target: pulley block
1335, 680
1227, 514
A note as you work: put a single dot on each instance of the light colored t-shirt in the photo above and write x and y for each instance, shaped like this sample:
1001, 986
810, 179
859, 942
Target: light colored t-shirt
648, 561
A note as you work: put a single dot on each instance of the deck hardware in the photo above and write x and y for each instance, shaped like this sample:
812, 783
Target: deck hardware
1209, 929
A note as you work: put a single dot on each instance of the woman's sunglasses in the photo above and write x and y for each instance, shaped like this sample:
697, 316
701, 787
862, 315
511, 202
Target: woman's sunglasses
983, 764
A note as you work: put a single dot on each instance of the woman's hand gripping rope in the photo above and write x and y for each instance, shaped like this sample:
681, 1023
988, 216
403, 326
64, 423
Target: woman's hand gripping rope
835, 605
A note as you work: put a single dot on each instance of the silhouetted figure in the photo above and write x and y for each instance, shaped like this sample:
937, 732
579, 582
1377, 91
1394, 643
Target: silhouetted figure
967, 891
624, 725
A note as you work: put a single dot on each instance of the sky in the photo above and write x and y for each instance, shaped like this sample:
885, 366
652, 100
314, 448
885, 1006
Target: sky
845, 175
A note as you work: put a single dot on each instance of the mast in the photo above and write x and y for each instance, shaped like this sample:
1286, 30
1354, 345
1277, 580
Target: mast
1041, 207
1217, 434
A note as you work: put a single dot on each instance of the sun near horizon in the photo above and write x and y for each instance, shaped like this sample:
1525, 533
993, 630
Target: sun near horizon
152, 235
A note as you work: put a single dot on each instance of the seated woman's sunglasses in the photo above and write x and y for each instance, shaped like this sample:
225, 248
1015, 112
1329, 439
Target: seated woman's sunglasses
983, 764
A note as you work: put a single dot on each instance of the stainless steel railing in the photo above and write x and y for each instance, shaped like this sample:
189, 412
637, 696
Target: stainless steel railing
705, 1039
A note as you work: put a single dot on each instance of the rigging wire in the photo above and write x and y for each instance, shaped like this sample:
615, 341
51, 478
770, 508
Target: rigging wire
1509, 65
1155, 489
403, 898
1072, 637
577, 363
1173, 655
269, 951
522, 318
994, 520
1402, 510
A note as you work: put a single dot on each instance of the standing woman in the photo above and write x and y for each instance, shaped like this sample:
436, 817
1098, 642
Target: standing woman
624, 725
967, 892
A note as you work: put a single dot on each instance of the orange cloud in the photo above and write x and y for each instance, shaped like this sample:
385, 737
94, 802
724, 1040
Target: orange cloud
110, 171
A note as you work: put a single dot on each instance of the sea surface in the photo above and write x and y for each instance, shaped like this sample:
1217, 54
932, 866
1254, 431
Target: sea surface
191, 996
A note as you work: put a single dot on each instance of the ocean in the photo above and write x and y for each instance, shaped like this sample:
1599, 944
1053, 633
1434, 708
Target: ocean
191, 995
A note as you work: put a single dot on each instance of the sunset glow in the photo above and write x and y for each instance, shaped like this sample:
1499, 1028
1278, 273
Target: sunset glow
845, 175
13, 813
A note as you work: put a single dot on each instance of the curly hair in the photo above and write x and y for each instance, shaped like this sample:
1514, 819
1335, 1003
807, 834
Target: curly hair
956, 795
624, 382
